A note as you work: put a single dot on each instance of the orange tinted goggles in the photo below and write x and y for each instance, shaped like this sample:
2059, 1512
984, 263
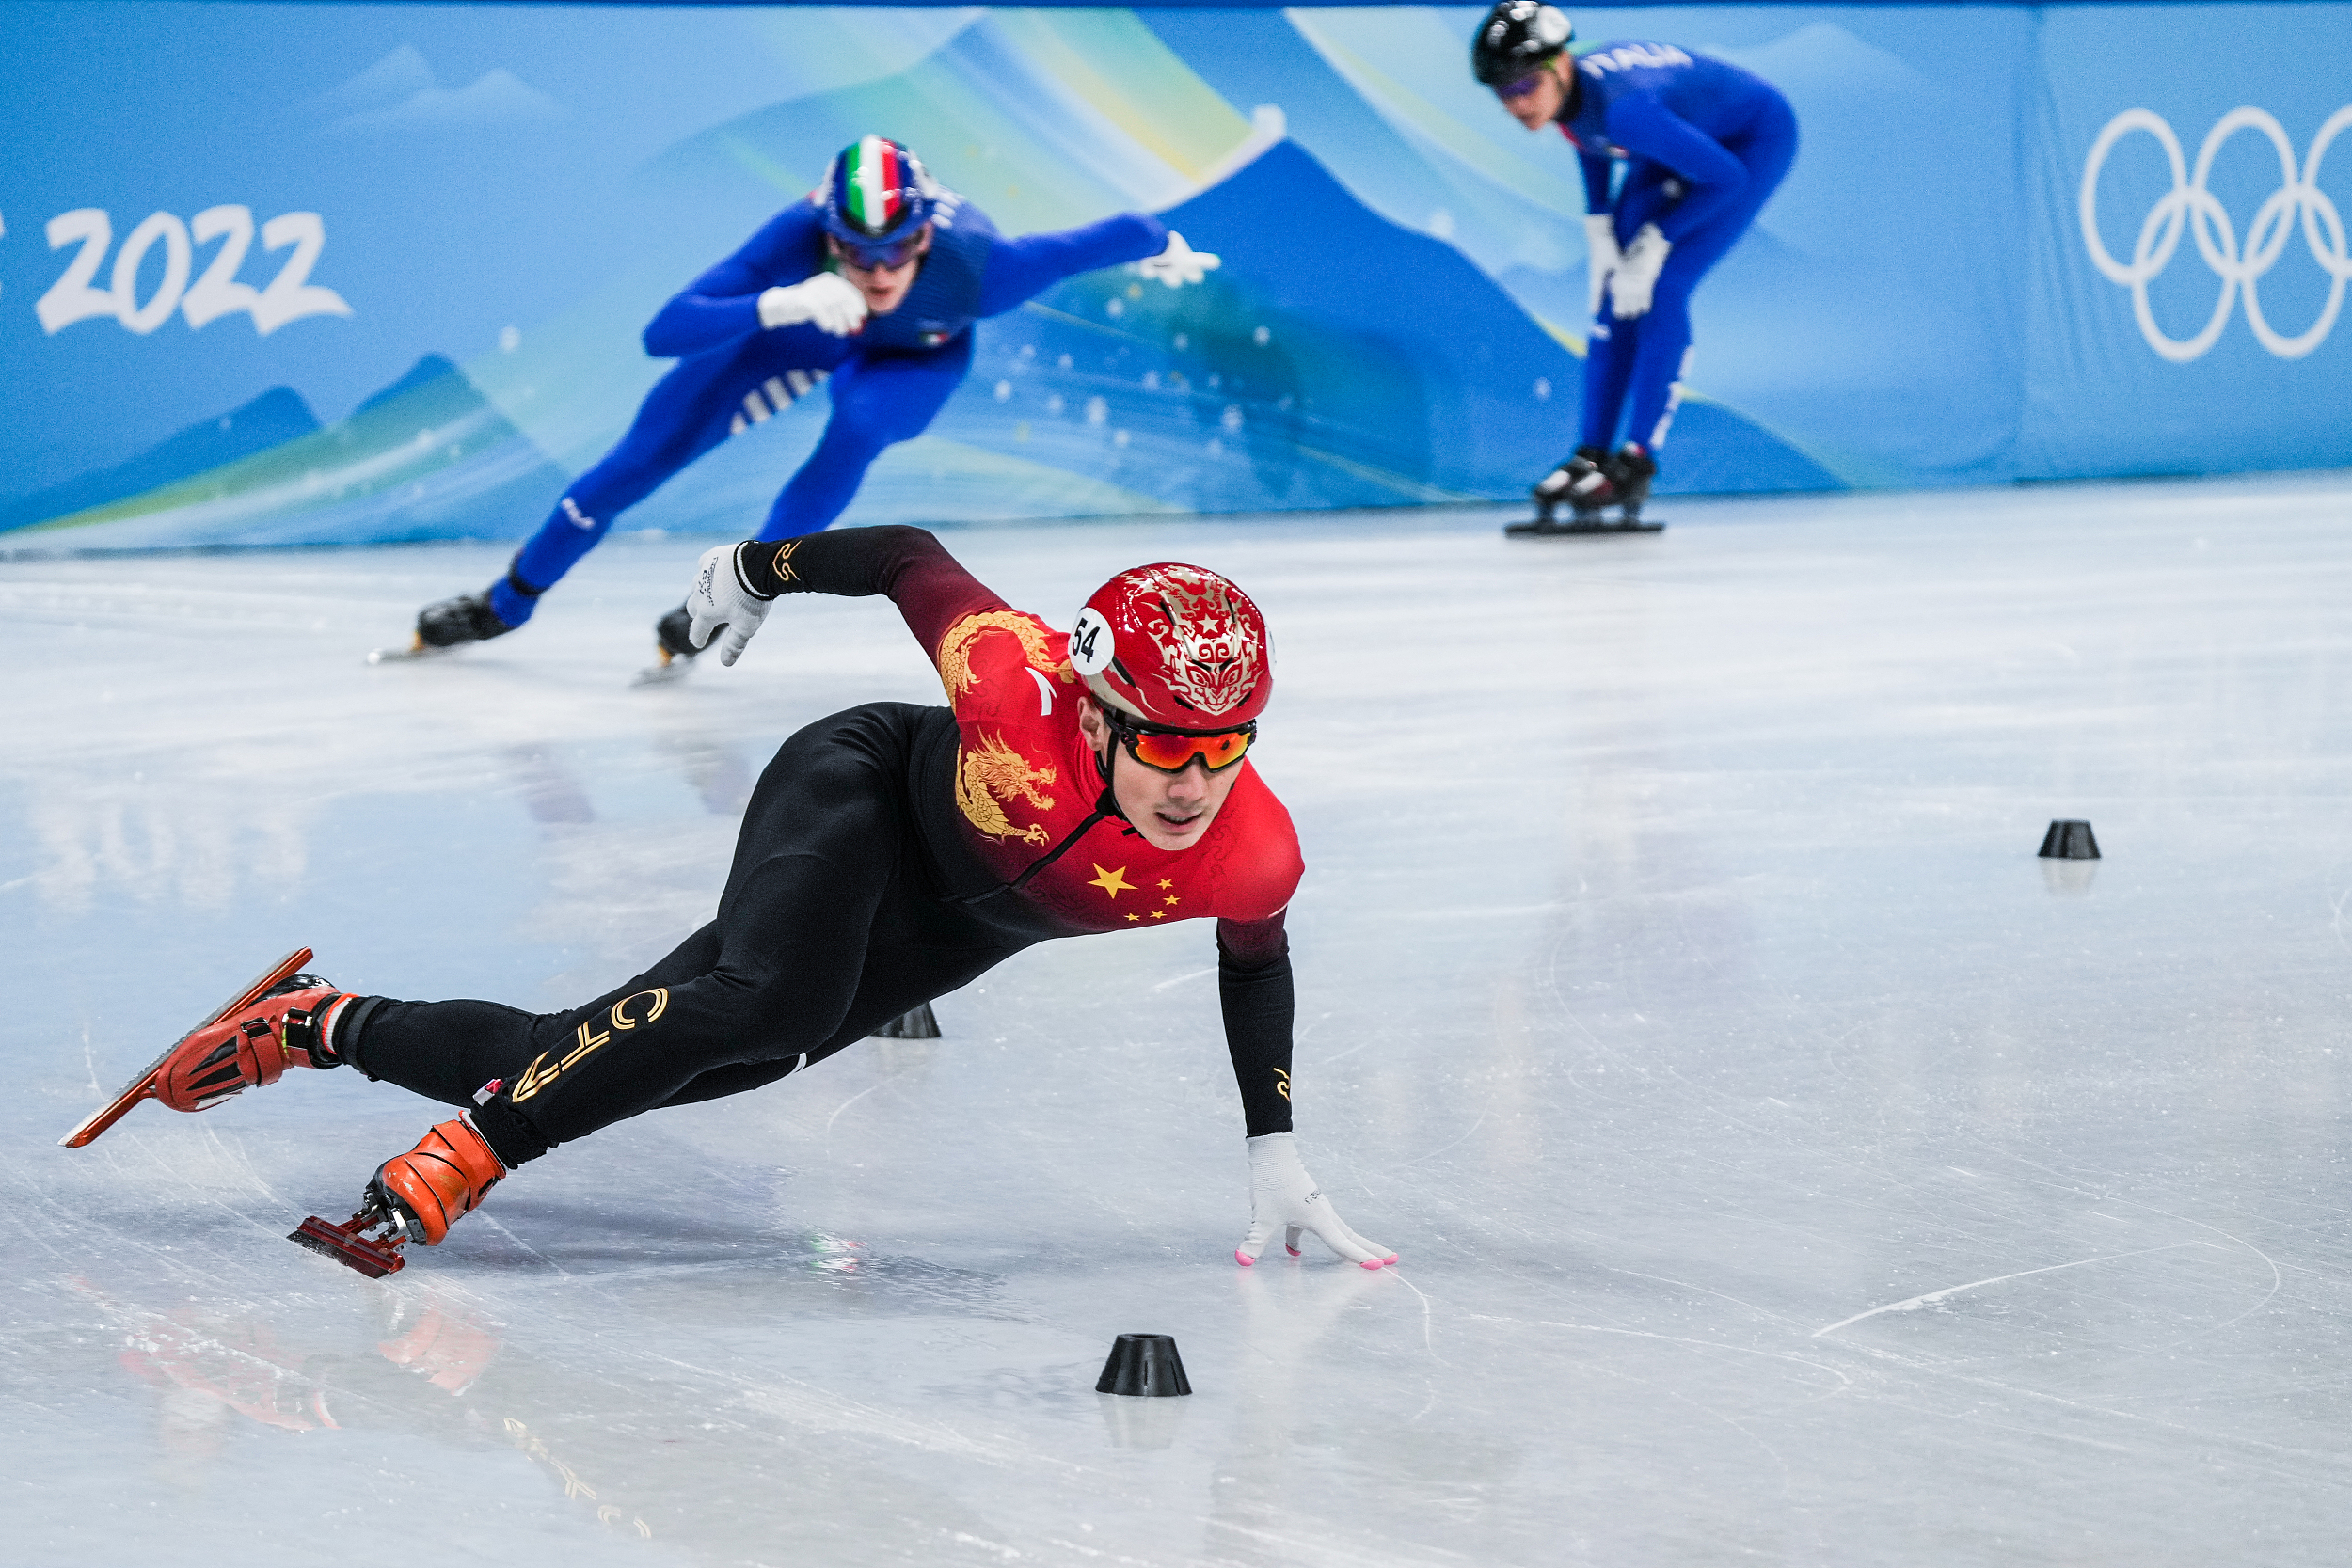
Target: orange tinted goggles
1172, 751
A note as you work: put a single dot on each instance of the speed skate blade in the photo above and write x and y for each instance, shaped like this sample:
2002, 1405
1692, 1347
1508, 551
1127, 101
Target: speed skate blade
138, 1089
401, 656
669, 670
343, 1244
1543, 528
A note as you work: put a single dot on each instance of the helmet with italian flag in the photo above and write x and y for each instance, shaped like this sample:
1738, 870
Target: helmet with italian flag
876, 197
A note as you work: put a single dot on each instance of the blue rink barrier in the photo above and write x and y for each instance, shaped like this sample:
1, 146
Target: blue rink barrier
351, 273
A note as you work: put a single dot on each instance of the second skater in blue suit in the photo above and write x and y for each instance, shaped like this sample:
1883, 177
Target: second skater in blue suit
872, 282
1701, 145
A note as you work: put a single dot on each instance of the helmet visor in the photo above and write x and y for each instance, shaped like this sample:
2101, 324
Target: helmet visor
1172, 751
881, 255
1520, 86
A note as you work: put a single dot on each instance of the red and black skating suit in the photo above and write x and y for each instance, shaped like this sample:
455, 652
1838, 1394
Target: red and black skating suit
890, 854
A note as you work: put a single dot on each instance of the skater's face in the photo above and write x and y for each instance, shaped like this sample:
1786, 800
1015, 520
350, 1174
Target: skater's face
884, 287
1172, 810
1534, 98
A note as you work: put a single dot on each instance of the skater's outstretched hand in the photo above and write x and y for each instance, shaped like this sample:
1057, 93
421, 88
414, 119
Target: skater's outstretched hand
1600, 246
721, 601
1179, 264
829, 299
1637, 272
1282, 1195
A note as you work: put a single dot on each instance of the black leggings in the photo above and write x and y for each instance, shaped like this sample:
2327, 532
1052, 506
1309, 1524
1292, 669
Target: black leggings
841, 912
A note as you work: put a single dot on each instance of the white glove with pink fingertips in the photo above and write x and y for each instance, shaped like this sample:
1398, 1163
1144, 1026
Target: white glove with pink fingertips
1284, 1196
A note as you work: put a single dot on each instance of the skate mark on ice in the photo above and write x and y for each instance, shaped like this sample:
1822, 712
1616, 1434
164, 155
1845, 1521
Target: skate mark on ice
1428, 1327
1844, 1382
1483, 1112
1486, 1109
1188, 975
2335, 922
1306, 1551
242, 1163
2277, 1278
1914, 1303
2331, 1462
847, 1103
491, 1222
1786, 1479
1686, 1284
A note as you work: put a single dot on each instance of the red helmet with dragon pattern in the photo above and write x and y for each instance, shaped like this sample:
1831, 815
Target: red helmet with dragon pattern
1175, 646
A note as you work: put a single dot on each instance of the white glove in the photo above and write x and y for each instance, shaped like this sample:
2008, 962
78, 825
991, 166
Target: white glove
829, 299
1600, 257
1637, 271
722, 601
1282, 1193
1179, 264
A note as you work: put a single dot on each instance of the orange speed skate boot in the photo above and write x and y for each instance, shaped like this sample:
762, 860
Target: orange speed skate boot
283, 1019
253, 1046
414, 1196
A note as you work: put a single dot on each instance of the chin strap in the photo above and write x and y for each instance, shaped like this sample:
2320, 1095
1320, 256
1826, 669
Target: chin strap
1104, 807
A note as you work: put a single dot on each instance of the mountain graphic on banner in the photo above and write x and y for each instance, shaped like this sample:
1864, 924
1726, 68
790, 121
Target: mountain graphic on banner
1334, 359
277, 416
427, 457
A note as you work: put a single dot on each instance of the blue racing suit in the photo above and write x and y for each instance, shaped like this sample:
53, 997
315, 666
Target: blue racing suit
889, 379
1705, 143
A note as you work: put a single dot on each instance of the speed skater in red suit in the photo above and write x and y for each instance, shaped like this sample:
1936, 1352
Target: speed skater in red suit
1075, 783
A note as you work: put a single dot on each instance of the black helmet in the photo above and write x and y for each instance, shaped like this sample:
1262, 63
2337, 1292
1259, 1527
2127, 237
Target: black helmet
1517, 37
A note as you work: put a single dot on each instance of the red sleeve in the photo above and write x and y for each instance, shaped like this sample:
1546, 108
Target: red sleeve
930, 587
1255, 849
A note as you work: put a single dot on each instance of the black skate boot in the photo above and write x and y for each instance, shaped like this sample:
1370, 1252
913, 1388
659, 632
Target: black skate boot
1629, 473
674, 647
454, 622
1590, 482
466, 618
1585, 483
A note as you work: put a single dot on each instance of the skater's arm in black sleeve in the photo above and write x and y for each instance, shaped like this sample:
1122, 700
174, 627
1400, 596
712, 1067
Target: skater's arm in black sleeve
930, 587
1255, 990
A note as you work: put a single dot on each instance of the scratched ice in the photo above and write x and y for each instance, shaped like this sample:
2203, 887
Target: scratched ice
1787, 1166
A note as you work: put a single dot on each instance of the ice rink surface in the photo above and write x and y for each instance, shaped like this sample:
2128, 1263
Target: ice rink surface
1787, 1166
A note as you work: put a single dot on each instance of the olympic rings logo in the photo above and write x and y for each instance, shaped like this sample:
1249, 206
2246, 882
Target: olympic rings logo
2189, 207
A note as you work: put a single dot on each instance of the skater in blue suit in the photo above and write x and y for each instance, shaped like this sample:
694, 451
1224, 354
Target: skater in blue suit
1703, 144
873, 282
